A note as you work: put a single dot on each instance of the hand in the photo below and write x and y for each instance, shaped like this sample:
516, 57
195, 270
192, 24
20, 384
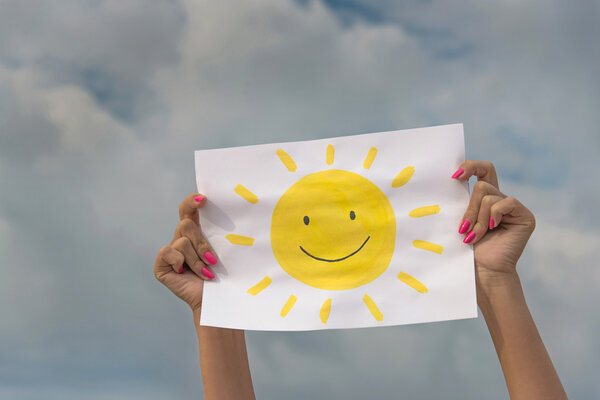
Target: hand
498, 226
183, 266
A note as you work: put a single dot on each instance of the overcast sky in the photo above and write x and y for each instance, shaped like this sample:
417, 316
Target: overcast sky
102, 103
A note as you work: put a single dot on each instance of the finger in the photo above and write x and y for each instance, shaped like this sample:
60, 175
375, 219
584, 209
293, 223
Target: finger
511, 210
193, 232
484, 220
480, 190
484, 170
168, 261
189, 207
185, 247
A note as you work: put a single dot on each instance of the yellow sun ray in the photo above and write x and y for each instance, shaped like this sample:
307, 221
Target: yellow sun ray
246, 194
412, 282
325, 309
421, 244
403, 177
256, 289
288, 305
423, 211
373, 308
370, 157
330, 152
286, 160
239, 239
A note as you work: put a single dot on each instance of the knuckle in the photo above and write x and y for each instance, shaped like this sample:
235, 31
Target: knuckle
186, 243
198, 265
494, 208
480, 186
470, 215
479, 228
163, 255
181, 243
487, 201
177, 258
163, 251
187, 225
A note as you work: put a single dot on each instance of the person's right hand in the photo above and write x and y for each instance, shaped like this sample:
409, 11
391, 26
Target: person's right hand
182, 266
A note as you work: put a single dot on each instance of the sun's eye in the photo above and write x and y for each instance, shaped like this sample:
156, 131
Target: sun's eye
352, 215
306, 220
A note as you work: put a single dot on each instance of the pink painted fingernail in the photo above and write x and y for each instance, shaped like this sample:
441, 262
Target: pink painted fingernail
212, 260
469, 237
198, 199
457, 173
491, 223
207, 273
464, 226
181, 269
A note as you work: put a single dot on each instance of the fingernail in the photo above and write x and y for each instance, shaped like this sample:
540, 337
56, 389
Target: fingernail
457, 173
198, 199
469, 237
181, 269
212, 260
464, 226
206, 272
491, 223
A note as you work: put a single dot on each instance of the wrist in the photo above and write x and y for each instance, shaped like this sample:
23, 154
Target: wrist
494, 287
489, 277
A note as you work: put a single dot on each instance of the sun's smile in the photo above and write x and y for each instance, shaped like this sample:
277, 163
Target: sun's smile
339, 259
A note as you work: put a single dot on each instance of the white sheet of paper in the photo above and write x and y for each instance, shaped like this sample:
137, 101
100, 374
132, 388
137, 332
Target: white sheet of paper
329, 232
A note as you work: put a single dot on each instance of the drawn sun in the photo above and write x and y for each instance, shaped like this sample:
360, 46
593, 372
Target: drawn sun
335, 230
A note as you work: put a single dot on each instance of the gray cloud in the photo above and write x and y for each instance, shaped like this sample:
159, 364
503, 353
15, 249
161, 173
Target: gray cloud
102, 104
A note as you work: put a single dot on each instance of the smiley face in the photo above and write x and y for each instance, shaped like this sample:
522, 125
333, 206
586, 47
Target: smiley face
333, 230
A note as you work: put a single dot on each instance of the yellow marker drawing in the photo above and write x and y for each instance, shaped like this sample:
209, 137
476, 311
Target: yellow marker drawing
330, 152
357, 252
373, 307
246, 194
423, 211
403, 177
256, 289
370, 158
412, 282
288, 305
421, 244
286, 160
325, 309
239, 239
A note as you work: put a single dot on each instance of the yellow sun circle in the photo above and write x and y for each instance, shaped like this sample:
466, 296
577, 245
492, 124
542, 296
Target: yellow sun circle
333, 230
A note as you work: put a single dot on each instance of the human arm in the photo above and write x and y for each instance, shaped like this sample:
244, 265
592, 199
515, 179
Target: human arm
499, 227
182, 267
